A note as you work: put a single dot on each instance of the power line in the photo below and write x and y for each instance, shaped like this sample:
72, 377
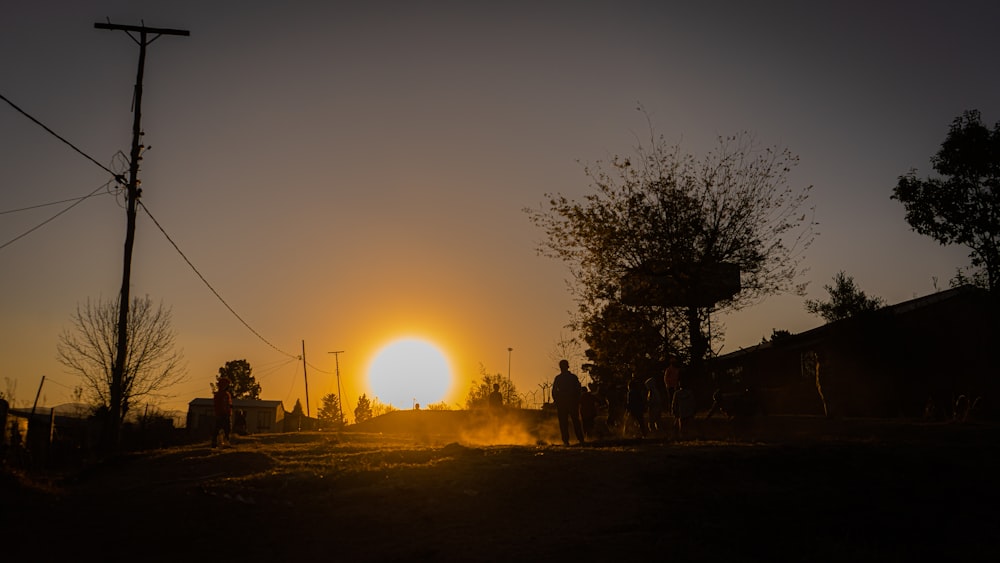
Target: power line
118, 177
209, 286
263, 373
40, 205
122, 180
219, 297
50, 219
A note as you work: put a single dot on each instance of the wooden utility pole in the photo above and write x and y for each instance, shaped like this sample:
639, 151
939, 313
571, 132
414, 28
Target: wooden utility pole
37, 395
133, 192
340, 398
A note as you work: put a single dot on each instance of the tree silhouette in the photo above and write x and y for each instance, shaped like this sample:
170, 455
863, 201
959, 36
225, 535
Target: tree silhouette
962, 206
846, 300
242, 383
152, 364
734, 206
330, 410
627, 340
777, 335
363, 411
480, 391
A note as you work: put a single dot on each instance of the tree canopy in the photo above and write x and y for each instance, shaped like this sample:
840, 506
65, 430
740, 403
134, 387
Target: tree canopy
962, 204
330, 411
363, 411
242, 384
480, 390
667, 210
846, 300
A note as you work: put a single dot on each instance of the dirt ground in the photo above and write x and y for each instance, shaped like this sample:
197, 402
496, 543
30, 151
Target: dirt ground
432, 486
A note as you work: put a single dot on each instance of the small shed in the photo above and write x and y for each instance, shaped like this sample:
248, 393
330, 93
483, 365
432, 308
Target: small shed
260, 416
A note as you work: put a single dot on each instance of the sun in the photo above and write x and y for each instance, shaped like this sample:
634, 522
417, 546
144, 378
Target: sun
409, 371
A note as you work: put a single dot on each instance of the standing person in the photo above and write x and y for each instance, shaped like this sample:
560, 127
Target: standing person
656, 404
672, 379
636, 405
615, 398
683, 409
223, 412
496, 398
566, 390
588, 411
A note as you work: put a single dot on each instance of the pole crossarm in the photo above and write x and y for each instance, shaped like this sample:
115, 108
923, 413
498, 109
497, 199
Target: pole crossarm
142, 29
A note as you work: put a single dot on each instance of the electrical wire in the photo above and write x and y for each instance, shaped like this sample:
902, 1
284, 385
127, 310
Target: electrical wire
269, 369
40, 205
77, 201
117, 177
219, 297
209, 286
120, 178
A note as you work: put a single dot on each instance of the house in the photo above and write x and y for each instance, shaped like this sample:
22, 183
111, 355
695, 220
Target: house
913, 359
260, 416
54, 436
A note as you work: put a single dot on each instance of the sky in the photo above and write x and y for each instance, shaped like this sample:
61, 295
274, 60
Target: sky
346, 174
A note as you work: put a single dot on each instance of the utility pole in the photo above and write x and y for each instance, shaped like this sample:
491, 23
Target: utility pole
340, 399
37, 395
305, 376
133, 193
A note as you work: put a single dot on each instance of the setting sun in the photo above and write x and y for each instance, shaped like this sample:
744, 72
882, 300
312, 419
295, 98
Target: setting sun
409, 371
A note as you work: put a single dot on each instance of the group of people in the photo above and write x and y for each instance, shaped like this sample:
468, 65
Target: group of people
579, 406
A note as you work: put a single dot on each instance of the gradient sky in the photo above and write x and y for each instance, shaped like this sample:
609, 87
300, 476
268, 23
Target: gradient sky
344, 173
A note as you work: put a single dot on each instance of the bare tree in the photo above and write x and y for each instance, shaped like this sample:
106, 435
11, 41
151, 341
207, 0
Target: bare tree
152, 364
9, 393
567, 348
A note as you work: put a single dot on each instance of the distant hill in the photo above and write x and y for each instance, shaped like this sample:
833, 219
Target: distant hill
77, 410
81, 410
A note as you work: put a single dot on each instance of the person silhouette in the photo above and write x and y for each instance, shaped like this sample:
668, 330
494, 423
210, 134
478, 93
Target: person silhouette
496, 398
683, 409
566, 390
589, 407
223, 402
671, 380
636, 404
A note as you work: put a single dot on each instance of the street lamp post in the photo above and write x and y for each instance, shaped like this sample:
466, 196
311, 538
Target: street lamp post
509, 350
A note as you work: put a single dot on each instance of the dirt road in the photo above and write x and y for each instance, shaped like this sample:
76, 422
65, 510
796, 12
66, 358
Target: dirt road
411, 491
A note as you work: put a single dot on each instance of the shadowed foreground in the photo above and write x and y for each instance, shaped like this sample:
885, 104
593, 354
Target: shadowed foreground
882, 493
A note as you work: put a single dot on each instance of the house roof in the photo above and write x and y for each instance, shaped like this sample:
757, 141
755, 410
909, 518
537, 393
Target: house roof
810, 336
240, 403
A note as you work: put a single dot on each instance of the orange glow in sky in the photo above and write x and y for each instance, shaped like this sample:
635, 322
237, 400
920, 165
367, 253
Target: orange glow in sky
346, 174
